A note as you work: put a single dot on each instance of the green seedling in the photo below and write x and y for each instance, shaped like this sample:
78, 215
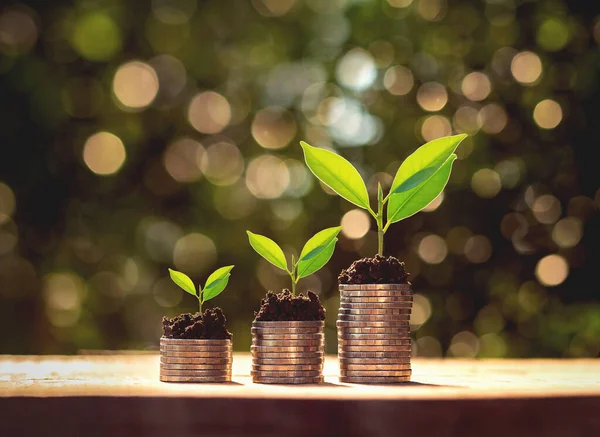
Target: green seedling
418, 181
215, 284
316, 253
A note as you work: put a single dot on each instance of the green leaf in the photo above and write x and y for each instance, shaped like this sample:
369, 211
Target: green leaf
337, 173
410, 202
217, 275
309, 266
216, 283
319, 242
183, 281
268, 249
424, 163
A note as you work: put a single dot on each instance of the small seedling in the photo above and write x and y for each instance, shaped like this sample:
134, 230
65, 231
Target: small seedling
419, 180
215, 284
316, 253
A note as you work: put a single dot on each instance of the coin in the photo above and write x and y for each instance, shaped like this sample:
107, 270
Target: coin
383, 291
376, 367
343, 354
374, 360
376, 373
369, 318
374, 380
168, 372
201, 360
289, 324
375, 311
372, 287
288, 361
305, 380
208, 379
287, 367
367, 330
407, 300
173, 354
359, 342
377, 348
376, 305
371, 324
280, 331
344, 334
315, 348
174, 348
190, 341
286, 337
260, 356
279, 343
167, 366
286, 374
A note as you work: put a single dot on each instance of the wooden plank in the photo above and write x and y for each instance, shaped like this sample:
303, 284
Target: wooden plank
121, 394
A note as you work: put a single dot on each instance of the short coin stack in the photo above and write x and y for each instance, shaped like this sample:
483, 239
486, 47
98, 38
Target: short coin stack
374, 333
287, 352
184, 360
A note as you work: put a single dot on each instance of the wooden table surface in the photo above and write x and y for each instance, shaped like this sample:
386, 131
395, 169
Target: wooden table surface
120, 394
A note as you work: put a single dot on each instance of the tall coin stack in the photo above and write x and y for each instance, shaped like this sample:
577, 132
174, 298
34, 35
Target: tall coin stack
373, 328
287, 352
195, 360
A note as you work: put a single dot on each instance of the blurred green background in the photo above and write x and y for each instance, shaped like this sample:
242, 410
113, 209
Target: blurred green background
137, 136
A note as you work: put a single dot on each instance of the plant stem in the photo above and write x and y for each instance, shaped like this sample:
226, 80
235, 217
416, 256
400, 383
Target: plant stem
293, 276
379, 218
200, 303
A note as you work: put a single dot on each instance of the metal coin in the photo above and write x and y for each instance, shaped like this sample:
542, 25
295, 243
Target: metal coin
175, 348
389, 291
375, 367
378, 348
286, 374
205, 360
342, 333
286, 337
374, 287
167, 372
343, 354
289, 354
204, 342
280, 331
366, 330
279, 343
306, 380
196, 354
374, 299
375, 311
374, 380
376, 373
367, 319
207, 379
358, 342
374, 360
288, 362
315, 348
371, 324
376, 305
166, 366
290, 324
262, 357
289, 367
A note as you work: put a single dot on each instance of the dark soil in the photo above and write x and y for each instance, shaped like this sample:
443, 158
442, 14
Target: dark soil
286, 307
209, 325
377, 270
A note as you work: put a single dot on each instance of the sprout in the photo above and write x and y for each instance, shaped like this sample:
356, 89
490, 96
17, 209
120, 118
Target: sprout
215, 284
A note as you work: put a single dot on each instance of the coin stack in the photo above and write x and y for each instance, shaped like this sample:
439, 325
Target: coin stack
195, 360
374, 333
287, 352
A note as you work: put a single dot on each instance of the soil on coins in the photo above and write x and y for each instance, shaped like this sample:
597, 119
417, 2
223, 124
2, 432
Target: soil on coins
377, 270
286, 307
209, 325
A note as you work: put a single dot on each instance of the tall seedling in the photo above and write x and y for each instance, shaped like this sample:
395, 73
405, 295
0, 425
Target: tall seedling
419, 180
316, 253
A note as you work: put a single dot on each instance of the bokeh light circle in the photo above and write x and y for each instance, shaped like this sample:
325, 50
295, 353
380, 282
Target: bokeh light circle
355, 224
135, 84
209, 112
547, 114
552, 270
104, 153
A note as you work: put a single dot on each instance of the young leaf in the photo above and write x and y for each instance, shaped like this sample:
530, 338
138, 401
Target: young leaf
268, 249
337, 173
424, 163
319, 242
309, 266
410, 202
216, 287
183, 281
217, 275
